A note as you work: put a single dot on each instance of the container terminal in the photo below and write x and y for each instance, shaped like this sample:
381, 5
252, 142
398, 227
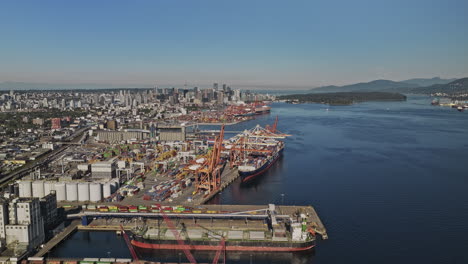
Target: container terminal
154, 194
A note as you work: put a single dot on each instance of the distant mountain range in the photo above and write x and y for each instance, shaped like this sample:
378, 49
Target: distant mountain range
428, 82
384, 85
458, 86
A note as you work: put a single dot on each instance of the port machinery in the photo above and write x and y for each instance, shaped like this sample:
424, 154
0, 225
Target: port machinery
209, 168
253, 141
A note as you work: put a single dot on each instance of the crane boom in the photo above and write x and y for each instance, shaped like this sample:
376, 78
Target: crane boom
129, 244
174, 231
222, 245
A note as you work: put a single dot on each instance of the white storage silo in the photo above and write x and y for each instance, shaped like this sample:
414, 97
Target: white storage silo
38, 189
61, 191
72, 191
48, 187
95, 192
83, 191
25, 188
106, 189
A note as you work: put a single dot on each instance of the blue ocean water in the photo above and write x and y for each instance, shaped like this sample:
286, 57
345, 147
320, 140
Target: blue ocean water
388, 179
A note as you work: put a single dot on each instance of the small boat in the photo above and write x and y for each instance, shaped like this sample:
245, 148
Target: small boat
460, 109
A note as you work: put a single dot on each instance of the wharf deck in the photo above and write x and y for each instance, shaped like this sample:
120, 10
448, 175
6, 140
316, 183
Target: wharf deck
225, 216
58, 238
227, 177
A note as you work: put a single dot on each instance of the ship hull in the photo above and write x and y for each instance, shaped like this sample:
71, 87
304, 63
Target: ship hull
229, 245
250, 175
262, 110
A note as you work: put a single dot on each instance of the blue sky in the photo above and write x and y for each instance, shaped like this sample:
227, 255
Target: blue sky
243, 43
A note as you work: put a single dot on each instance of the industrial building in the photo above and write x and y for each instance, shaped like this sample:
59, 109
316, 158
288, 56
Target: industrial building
113, 137
171, 132
49, 212
22, 223
104, 170
111, 125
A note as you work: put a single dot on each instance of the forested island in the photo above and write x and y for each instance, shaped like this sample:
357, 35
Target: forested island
342, 98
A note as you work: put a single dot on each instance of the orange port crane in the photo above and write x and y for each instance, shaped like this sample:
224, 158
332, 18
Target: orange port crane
272, 128
209, 173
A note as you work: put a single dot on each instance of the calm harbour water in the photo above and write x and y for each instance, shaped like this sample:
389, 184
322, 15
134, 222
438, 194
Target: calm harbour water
388, 179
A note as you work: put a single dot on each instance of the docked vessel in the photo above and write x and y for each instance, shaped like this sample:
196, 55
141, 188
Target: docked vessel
264, 109
255, 151
142, 241
256, 164
286, 235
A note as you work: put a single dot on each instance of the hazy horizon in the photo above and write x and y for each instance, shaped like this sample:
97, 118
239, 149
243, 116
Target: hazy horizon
68, 86
274, 44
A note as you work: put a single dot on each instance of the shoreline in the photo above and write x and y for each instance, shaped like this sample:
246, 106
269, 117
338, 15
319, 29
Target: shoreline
220, 123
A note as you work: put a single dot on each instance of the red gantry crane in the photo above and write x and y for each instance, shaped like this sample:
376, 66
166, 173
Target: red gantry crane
176, 234
129, 244
222, 244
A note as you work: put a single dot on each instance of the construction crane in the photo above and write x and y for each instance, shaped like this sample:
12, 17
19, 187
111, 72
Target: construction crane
129, 244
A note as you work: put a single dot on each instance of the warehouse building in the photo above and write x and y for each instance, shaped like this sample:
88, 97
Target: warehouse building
104, 170
114, 137
171, 132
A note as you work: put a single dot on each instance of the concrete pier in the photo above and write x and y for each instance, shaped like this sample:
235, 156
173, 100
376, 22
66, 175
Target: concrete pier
227, 177
58, 238
223, 218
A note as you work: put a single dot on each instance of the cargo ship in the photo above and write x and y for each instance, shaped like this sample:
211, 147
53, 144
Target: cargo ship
297, 239
254, 151
264, 109
257, 164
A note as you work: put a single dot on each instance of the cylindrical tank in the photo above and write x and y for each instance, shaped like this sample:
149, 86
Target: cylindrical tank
38, 189
95, 192
106, 189
61, 191
49, 186
72, 191
25, 189
83, 191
